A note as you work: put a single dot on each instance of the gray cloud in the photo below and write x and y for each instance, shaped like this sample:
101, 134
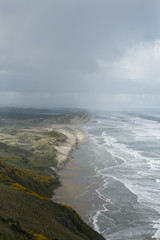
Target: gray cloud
75, 52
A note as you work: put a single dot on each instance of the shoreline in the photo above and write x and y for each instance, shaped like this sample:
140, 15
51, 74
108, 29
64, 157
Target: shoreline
67, 189
76, 187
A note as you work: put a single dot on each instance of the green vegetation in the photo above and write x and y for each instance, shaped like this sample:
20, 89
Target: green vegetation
27, 179
26, 212
59, 137
27, 182
22, 213
31, 145
24, 159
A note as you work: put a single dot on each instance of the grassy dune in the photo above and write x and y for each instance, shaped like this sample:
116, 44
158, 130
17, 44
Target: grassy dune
14, 177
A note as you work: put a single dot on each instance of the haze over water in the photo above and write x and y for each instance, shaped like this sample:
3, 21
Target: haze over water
123, 148
95, 54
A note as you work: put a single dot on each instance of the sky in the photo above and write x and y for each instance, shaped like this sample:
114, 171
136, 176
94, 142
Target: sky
94, 54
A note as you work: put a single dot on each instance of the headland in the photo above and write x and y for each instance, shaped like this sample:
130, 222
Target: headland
34, 145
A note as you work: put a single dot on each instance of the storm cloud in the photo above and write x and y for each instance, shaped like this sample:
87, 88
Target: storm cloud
80, 53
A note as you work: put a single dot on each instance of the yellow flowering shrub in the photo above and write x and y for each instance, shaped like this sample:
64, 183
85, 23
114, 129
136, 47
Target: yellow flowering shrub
37, 235
26, 190
65, 205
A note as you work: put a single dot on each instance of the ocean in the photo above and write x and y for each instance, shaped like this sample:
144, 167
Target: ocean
123, 188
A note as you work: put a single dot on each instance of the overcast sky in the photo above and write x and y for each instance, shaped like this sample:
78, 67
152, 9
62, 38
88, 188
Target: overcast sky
80, 53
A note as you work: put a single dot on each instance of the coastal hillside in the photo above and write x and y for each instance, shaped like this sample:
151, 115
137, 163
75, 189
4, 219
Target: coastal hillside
29, 156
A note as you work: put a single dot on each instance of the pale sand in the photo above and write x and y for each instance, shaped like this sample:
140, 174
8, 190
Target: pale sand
74, 136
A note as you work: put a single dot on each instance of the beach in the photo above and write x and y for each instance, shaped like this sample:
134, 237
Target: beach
77, 185
74, 137
68, 170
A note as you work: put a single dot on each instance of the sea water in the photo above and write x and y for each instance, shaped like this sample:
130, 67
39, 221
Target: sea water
124, 151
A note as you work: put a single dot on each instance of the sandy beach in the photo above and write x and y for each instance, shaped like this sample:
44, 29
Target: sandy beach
69, 189
74, 190
74, 137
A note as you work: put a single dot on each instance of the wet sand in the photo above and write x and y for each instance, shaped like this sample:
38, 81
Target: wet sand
75, 190
70, 190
